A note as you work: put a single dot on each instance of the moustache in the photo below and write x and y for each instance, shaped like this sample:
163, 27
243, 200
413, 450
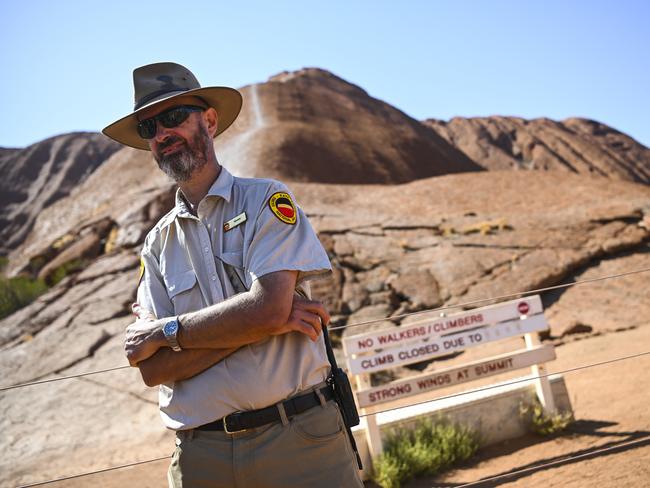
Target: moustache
169, 142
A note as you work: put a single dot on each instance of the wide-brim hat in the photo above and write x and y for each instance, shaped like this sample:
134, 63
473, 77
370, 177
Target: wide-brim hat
157, 82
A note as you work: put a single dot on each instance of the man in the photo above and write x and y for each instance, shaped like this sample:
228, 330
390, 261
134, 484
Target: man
238, 354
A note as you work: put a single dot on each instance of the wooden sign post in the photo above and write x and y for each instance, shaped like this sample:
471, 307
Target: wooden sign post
428, 339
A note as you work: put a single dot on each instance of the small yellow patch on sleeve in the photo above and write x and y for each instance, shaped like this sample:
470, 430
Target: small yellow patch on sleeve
141, 271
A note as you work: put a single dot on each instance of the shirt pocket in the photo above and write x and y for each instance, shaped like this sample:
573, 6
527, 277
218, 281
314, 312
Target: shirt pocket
233, 263
233, 240
182, 289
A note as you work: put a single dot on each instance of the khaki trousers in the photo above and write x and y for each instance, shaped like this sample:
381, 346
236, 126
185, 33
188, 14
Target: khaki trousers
311, 450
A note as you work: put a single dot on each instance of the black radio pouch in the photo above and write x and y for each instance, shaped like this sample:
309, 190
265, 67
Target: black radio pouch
343, 395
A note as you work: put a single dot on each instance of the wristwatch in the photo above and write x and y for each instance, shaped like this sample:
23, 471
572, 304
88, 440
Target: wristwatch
170, 329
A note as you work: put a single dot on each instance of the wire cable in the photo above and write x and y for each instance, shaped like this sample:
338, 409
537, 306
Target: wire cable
483, 300
446, 307
570, 370
556, 462
104, 470
59, 378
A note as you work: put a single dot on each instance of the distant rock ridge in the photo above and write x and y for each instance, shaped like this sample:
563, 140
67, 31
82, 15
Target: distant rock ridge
37, 176
575, 144
5, 151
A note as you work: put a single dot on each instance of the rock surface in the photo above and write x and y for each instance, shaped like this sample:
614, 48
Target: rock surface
576, 145
37, 176
461, 238
118, 204
310, 125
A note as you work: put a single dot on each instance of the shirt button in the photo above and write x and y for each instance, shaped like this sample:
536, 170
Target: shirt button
206, 249
214, 277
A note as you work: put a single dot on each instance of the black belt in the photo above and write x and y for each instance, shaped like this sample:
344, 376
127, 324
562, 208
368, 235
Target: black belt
240, 421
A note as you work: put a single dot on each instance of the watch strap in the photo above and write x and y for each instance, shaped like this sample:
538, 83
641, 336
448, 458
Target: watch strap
172, 339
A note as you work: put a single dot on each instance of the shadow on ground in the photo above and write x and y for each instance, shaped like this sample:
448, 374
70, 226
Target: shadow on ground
624, 441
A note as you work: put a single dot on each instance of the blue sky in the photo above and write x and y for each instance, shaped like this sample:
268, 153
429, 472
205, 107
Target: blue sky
67, 65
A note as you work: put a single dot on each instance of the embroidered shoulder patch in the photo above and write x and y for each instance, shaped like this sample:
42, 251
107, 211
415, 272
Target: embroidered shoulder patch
283, 208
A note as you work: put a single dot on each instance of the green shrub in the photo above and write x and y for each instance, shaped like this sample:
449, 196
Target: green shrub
65, 270
427, 449
543, 423
17, 292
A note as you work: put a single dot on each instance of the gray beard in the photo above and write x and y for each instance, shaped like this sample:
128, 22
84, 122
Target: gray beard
180, 165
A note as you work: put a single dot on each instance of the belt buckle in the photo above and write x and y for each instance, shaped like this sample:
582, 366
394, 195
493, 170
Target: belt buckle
225, 425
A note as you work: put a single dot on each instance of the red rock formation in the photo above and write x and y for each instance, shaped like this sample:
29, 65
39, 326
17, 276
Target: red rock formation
575, 144
37, 176
311, 125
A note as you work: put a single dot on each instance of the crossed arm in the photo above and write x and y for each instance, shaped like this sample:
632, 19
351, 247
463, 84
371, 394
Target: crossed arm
209, 335
167, 366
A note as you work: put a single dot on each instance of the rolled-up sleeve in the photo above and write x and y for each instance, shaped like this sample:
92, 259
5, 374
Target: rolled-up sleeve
278, 245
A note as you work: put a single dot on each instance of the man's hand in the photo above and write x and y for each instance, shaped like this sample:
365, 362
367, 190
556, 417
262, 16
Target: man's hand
307, 317
167, 366
143, 337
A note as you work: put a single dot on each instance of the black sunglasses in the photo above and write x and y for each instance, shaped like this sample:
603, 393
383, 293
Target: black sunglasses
173, 117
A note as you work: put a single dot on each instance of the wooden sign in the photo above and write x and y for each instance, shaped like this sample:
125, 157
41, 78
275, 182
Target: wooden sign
429, 349
455, 375
431, 328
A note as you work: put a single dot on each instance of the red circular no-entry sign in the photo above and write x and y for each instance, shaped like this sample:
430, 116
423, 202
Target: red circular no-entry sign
523, 308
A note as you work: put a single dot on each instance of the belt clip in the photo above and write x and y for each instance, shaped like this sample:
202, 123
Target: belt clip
321, 398
283, 413
225, 425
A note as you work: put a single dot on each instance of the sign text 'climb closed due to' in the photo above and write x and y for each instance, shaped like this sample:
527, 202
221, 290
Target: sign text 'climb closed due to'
453, 376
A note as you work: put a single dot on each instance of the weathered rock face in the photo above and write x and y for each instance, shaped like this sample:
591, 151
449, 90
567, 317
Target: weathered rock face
114, 208
603, 306
575, 145
37, 176
467, 237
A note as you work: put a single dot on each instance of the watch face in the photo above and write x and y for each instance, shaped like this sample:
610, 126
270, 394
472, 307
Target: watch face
170, 328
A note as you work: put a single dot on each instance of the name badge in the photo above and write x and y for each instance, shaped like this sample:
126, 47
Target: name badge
234, 222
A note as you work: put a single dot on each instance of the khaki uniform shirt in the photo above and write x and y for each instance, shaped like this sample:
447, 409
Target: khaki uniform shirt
183, 258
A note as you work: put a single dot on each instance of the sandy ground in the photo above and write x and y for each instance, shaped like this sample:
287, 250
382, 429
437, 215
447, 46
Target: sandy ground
612, 408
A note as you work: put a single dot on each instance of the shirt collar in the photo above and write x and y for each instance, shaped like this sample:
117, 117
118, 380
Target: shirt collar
222, 187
